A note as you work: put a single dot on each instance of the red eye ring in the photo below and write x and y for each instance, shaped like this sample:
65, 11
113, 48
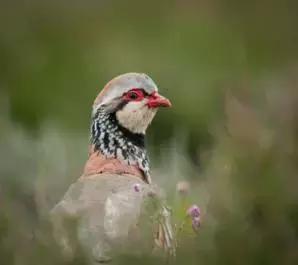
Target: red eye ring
135, 94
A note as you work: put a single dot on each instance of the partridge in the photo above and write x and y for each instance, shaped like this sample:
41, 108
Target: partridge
115, 193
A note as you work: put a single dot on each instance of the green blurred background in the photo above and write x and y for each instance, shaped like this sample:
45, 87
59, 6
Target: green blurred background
230, 69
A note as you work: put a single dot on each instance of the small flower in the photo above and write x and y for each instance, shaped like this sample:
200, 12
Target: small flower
137, 187
183, 187
194, 211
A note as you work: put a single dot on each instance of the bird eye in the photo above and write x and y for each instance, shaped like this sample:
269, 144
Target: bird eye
133, 95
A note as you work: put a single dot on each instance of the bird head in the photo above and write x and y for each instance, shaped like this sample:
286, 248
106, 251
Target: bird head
133, 98
121, 114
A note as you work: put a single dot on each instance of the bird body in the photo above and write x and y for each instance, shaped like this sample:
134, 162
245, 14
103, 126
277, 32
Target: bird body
109, 211
115, 189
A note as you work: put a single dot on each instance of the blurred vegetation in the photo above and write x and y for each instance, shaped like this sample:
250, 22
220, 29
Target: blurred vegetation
230, 70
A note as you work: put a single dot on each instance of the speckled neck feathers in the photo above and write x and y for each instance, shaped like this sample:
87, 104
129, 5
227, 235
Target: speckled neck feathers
114, 141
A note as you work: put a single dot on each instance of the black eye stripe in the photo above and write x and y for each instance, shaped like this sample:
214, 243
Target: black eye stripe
144, 92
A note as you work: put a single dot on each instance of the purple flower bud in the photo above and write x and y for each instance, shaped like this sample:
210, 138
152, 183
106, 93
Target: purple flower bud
137, 187
194, 211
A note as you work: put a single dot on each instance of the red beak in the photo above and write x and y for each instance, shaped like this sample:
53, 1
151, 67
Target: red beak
156, 101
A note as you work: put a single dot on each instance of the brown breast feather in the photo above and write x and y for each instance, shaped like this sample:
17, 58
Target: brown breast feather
98, 164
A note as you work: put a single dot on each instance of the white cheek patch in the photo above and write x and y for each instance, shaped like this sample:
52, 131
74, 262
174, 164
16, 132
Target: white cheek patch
136, 116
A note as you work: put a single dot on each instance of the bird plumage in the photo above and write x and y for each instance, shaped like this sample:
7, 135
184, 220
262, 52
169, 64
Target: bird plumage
115, 141
108, 207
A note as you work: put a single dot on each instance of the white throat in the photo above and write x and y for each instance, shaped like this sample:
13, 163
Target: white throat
136, 116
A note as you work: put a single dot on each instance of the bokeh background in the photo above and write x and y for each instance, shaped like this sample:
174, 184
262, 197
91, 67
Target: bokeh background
230, 69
